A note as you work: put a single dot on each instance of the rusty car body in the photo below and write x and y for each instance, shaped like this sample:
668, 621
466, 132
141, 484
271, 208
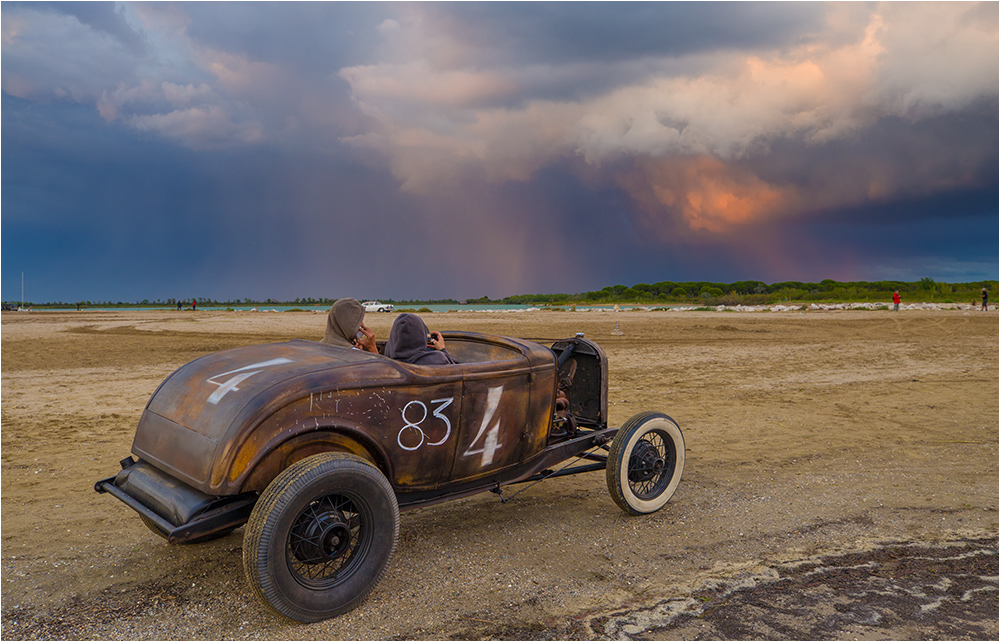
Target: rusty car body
318, 447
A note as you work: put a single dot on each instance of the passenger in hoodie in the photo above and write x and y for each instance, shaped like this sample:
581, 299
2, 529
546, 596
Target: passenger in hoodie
345, 327
410, 341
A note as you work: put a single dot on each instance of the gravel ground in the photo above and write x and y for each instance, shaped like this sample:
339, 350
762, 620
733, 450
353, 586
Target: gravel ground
841, 482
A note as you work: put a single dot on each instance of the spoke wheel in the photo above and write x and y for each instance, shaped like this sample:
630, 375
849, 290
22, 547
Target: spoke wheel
326, 538
320, 537
645, 462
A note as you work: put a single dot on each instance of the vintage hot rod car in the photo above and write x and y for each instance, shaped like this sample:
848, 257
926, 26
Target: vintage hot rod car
317, 448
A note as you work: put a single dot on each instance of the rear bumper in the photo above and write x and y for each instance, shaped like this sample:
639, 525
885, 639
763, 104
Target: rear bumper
180, 512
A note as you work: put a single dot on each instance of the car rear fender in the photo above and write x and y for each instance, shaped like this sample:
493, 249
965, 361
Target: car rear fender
281, 456
293, 433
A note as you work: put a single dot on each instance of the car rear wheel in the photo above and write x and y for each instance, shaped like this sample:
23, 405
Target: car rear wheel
320, 537
645, 462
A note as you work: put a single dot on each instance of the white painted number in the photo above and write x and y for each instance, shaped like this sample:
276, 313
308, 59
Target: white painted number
241, 375
414, 426
490, 445
414, 434
407, 425
437, 413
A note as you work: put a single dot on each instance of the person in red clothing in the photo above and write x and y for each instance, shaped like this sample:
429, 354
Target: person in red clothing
895, 301
194, 304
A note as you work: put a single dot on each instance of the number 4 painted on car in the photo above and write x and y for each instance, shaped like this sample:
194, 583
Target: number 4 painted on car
490, 445
244, 373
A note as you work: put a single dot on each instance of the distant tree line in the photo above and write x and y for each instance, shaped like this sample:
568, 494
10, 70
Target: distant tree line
703, 292
207, 303
758, 292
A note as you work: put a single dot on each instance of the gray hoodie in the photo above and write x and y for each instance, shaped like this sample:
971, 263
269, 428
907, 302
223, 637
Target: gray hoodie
343, 322
408, 342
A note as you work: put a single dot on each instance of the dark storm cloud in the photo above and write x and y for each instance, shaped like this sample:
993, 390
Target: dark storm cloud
326, 36
693, 127
58, 51
103, 17
115, 215
315, 149
559, 33
577, 50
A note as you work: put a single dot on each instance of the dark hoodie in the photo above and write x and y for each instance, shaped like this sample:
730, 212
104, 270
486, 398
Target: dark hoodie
343, 321
408, 342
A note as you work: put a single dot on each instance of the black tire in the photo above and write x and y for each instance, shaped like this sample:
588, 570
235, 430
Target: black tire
645, 462
320, 537
198, 540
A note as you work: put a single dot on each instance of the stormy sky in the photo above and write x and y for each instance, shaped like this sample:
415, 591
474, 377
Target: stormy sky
282, 150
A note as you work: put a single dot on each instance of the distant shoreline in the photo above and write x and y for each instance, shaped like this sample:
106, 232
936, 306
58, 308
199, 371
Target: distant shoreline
664, 294
443, 308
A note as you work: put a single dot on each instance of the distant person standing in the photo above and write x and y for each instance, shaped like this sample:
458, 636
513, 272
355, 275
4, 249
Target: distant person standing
179, 306
985, 297
194, 304
895, 301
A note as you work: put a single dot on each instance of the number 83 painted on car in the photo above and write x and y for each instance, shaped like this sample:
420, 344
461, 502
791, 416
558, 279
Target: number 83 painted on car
316, 448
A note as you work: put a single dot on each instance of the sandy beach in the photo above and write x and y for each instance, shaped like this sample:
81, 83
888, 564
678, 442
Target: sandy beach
841, 482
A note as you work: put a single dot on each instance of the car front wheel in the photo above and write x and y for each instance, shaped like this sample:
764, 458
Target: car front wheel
320, 537
645, 462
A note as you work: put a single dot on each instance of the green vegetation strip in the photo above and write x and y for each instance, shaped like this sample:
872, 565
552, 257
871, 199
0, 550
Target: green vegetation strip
706, 293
